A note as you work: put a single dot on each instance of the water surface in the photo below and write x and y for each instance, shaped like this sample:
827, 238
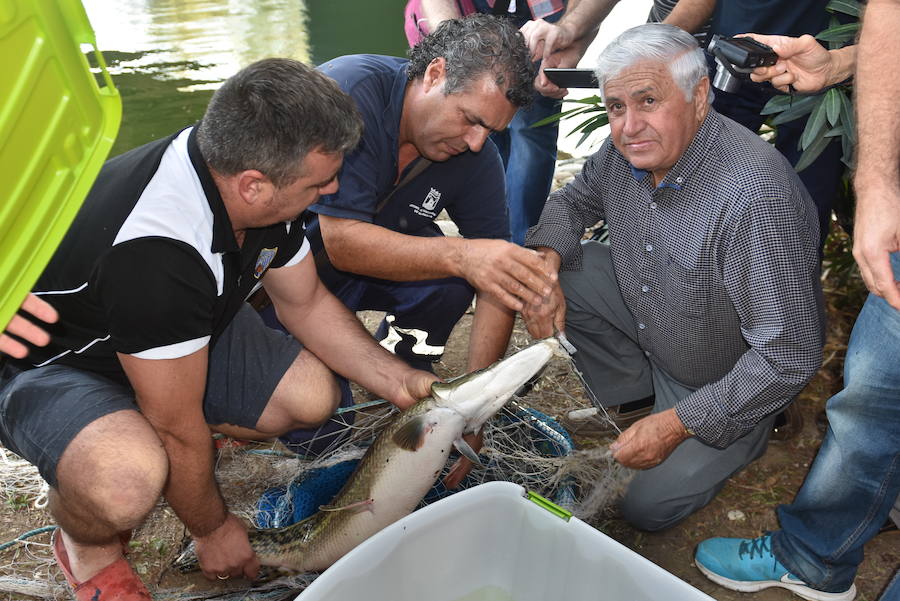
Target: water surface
168, 56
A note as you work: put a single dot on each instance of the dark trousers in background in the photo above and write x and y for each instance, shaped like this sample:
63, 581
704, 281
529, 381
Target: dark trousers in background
419, 315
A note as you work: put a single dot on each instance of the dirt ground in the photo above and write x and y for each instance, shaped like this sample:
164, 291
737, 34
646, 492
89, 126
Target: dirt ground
755, 493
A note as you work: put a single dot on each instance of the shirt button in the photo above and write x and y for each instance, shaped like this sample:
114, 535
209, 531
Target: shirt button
649, 248
652, 205
645, 288
679, 180
646, 353
641, 326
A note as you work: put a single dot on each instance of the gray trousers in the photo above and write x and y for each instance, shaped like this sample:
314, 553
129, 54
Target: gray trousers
601, 327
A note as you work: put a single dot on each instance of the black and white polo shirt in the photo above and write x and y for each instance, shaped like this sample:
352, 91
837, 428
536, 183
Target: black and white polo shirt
150, 267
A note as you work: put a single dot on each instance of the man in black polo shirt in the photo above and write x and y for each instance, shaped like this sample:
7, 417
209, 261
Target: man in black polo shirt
155, 346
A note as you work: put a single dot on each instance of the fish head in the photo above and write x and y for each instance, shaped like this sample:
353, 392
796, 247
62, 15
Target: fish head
479, 395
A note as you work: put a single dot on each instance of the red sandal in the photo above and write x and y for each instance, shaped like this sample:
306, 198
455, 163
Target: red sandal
115, 582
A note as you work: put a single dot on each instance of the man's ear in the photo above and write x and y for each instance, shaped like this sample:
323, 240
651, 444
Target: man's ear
701, 95
435, 73
253, 186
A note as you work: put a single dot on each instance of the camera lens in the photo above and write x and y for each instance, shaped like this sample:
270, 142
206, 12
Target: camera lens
725, 81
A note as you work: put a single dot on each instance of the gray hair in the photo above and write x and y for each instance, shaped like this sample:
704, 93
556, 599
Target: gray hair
271, 114
655, 42
473, 46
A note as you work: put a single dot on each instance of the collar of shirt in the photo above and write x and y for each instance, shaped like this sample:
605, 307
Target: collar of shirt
223, 239
392, 114
394, 110
692, 156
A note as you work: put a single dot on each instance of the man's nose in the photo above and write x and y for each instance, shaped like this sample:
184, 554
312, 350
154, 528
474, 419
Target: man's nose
329, 188
475, 137
634, 123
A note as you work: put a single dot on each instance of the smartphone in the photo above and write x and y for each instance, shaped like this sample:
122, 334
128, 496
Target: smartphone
572, 78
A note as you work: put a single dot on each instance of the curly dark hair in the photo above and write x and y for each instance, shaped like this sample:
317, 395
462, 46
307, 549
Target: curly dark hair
475, 45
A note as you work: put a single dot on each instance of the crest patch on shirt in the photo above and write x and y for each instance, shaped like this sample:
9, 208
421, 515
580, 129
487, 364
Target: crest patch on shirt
263, 261
431, 199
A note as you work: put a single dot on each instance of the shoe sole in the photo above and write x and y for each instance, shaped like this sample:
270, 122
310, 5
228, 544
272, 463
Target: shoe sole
800, 590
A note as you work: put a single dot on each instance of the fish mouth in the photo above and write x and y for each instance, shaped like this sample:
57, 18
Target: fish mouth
480, 395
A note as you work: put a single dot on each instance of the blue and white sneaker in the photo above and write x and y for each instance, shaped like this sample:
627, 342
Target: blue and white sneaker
748, 565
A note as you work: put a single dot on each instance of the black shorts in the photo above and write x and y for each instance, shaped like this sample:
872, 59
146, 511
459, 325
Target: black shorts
42, 410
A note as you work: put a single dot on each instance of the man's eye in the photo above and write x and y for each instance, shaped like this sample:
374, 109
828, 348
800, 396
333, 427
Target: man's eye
649, 100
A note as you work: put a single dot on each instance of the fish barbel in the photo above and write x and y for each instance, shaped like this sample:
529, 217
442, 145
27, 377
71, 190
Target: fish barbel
400, 466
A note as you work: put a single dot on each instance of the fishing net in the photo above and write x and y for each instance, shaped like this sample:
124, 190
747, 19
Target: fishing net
532, 442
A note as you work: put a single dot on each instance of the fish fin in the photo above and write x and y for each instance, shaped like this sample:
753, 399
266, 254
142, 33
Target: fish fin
358, 505
411, 435
468, 452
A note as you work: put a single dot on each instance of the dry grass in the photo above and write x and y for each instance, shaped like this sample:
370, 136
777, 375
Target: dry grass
27, 570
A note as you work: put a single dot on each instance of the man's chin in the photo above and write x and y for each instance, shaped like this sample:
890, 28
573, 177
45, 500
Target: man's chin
437, 156
641, 162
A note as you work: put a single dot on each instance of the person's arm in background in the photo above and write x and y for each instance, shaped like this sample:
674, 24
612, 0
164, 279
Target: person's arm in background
562, 44
804, 65
435, 11
691, 15
877, 181
26, 330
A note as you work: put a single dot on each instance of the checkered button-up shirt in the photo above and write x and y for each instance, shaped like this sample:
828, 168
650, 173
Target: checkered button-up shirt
718, 265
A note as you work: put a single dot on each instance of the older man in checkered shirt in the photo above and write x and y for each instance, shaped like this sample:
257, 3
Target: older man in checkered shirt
707, 295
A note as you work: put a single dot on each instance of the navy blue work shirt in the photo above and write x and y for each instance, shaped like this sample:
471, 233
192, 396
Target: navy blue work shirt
470, 186
771, 17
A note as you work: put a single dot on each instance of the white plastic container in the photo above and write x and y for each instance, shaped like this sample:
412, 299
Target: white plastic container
491, 543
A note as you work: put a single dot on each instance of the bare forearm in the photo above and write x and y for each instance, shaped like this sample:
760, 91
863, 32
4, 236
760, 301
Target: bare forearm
360, 248
191, 489
843, 64
505, 270
170, 393
491, 328
691, 15
435, 11
584, 16
878, 115
330, 331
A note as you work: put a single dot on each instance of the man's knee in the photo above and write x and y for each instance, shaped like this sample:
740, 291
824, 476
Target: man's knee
320, 413
653, 514
596, 274
114, 470
306, 397
651, 505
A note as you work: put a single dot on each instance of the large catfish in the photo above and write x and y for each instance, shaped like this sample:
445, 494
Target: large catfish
401, 465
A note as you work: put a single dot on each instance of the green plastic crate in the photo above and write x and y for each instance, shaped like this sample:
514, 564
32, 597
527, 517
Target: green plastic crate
56, 128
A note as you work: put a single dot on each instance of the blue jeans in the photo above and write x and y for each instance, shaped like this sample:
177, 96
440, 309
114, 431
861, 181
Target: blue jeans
855, 478
892, 592
529, 155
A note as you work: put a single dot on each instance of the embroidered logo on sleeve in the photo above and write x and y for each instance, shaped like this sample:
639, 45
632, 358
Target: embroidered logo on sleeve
263, 261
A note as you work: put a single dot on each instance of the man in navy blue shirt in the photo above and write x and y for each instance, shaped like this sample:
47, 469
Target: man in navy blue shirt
425, 149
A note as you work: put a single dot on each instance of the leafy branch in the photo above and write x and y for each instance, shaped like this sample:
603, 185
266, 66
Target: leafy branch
592, 106
831, 111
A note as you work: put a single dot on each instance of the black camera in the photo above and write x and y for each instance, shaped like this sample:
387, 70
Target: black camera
736, 58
